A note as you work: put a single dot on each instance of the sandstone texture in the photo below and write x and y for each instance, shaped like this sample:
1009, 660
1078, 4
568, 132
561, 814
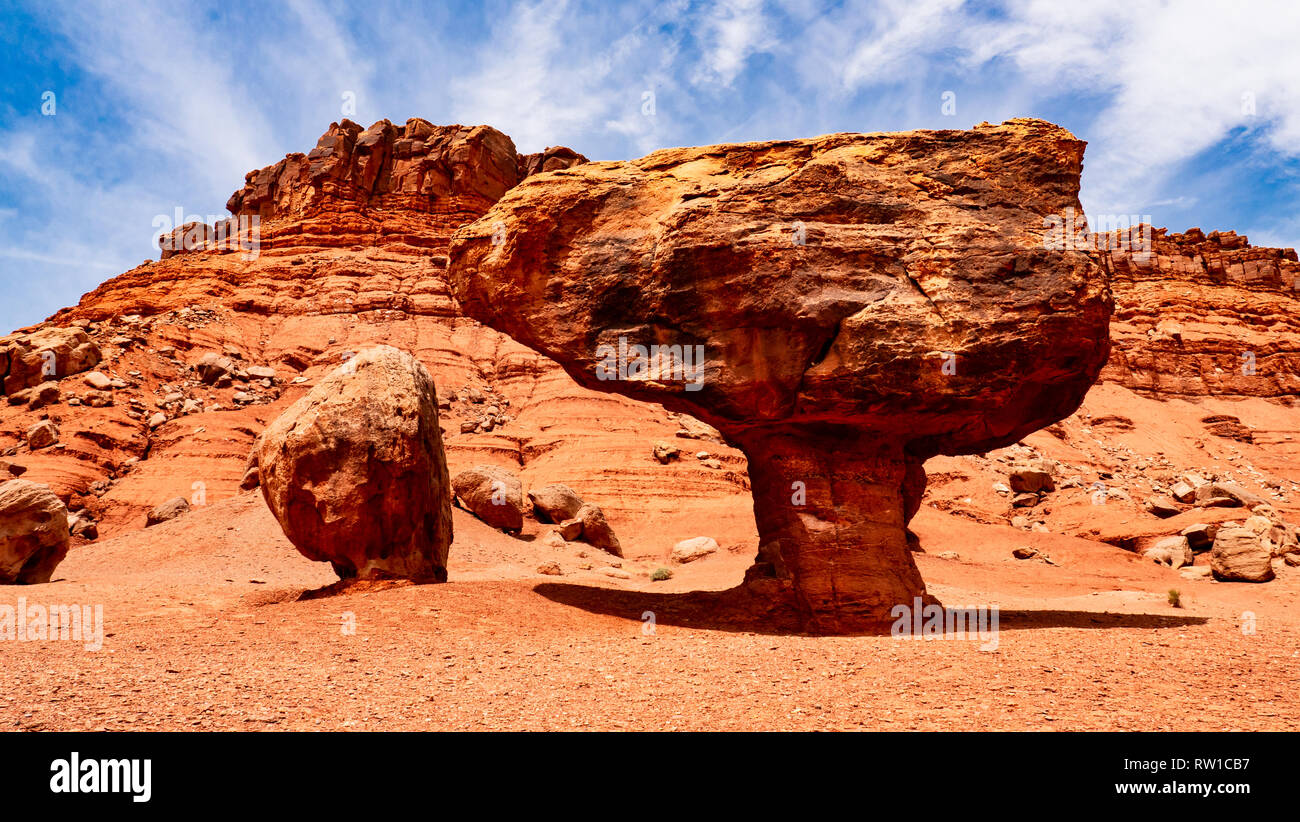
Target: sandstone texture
1205, 315
1239, 556
842, 308
355, 472
33, 532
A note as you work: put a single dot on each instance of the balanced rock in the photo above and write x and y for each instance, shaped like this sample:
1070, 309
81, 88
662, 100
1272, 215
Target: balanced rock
1239, 556
841, 308
33, 532
355, 473
493, 494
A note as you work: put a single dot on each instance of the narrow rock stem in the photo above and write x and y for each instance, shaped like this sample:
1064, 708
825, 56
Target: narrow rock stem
832, 506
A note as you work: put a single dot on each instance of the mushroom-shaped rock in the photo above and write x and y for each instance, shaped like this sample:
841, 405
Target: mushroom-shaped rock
355, 471
33, 532
840, 308
493, 494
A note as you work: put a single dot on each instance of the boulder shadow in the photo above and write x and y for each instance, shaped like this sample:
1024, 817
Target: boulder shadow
740, 610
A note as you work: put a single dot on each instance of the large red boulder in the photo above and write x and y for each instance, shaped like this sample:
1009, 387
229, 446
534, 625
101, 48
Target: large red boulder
355, 470
33, 532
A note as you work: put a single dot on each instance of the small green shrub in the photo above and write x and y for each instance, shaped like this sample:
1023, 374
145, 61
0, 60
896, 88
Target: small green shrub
660, 574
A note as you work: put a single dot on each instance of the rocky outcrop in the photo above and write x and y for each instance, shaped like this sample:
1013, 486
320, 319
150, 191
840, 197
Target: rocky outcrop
1204, 315
33, 532
841, 308
355, 471
338, 271
27, 360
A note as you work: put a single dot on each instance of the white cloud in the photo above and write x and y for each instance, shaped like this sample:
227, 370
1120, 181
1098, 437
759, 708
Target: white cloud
732, 31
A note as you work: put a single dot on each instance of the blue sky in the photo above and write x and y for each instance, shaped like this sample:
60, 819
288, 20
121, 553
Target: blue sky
1191, 109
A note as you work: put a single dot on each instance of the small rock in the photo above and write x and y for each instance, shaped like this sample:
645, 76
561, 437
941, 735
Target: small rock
1163, 506
171, 509
98, 381
571, 529
597, 531
689, 550
493, 494
555, 503
42, 435
666, 453
1032, 477
550, 568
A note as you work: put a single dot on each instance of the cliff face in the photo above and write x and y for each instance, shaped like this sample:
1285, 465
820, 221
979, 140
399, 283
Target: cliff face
360, 223
1205, 315
352, 252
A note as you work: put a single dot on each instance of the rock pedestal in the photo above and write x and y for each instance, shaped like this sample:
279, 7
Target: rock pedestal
842, 308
